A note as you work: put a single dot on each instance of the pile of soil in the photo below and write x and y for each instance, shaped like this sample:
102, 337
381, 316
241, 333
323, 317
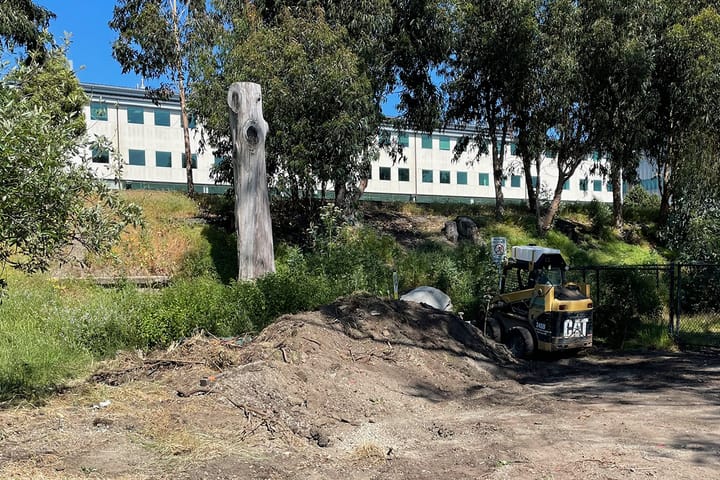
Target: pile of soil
367, 388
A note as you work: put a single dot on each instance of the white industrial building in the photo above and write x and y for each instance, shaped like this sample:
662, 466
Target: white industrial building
149, 139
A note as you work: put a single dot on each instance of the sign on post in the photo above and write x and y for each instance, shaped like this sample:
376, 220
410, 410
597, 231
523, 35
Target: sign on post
499, 247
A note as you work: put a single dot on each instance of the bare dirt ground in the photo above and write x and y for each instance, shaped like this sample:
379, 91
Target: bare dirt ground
373, 389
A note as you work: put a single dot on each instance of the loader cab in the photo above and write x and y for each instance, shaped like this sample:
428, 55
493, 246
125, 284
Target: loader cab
536, 308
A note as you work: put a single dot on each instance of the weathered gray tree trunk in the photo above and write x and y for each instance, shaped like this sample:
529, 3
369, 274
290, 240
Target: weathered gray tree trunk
252, 204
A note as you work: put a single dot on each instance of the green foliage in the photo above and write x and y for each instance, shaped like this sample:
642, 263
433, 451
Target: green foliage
315, 90
617, 317
185, 308
22, 24
601, 217
48, 199
640, 205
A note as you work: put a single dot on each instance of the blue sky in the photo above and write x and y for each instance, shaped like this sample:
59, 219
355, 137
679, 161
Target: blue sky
91, 40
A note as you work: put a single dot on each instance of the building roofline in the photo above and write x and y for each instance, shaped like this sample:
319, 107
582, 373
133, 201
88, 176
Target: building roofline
95, 90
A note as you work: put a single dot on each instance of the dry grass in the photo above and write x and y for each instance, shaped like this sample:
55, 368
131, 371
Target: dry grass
369, 453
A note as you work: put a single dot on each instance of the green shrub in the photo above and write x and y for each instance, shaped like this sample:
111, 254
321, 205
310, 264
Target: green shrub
640, 205
185, 308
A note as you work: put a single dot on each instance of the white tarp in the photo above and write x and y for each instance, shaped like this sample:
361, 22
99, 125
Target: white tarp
430, 296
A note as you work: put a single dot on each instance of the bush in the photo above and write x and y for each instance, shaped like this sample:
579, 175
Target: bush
185, 308
640, 205
627, 300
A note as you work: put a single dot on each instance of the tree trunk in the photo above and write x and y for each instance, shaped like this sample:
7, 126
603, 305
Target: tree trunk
183, 103
549, 217
616, 182
252, 203
531, 190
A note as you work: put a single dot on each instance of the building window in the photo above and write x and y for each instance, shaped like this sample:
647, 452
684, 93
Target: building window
534, 181
384, 138
462, 178
427, 176
503, 181
597, 185
162, 118
218, 161
549, 154
444, 143
136, 157
444, 176
403, 140
583, 184
427, 141
498, 145
595, 156
192, 123
566, 185
163, 159
384, 173
484, 179
609, 186
515, 181
100, 155
193, 160
135, 115
513, 148
403, 174
98, 111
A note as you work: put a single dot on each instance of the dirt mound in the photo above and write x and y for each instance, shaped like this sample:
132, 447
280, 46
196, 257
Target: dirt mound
312, 375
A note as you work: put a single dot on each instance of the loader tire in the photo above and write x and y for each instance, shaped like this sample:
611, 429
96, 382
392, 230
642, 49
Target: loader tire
520, 342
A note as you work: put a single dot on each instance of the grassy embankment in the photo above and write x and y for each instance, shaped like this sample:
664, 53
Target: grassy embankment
52, 331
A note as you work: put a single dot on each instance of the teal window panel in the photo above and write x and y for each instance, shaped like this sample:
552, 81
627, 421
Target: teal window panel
403, 140
162, 118
403, 174
444, 176
534, 181
515, 181
100, 155
98, 111
484, 179
384, 138
549, 154
503, 181
384, 173
566, 185
597, 185
218, 160
427, 141
608, 186
595, 156
135, 115
583, 184
513, 148
427, 176
163, 159
444, 143
193, 160
462, 178
136, 157
192, 123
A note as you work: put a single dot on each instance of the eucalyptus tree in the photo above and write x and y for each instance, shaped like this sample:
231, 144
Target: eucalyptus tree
687, 91
317, 98
686, 142
564, 101
156, 40
493, 50
23, 24
618, 54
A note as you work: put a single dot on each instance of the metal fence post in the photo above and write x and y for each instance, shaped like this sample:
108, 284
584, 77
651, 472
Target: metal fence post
671, 325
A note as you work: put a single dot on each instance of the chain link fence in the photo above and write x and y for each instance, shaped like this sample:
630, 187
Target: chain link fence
630, 300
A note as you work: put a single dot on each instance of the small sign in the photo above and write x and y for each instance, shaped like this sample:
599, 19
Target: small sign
499, 247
